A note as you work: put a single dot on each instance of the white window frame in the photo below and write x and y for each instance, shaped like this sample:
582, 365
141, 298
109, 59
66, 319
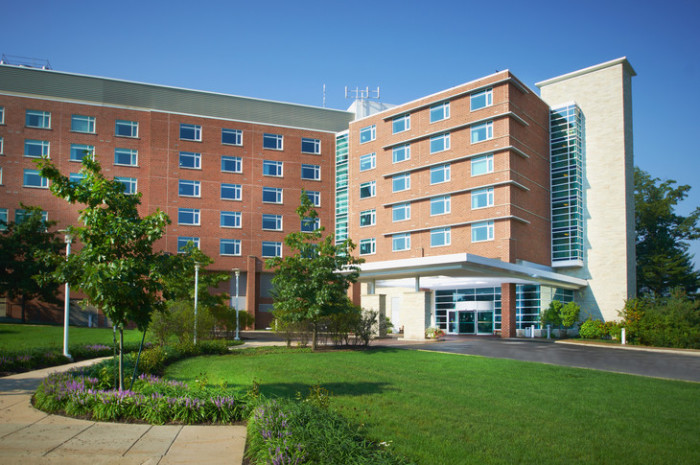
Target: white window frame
442, 170
315, 171
276, 191
44, 144
278, 168
277, 219
445, 201
130, 184
89, 121
368, 134
480, 227
314, 222
482, 198
43, 119
372, 185
132, 126
315, 197
236, 161
21, 213
86, 150
196, 160
487, 94
131, 153
314, 144
236, 134
4, 217
2, 115
401, 153
444, 138
76, 177
236, 188
236, 216
370, 216
440, 112
183, 240
487, 160
444, 233
275, 140
196, 130
402, 210
195, 186
368, 161
188, 216
43, 183
476, 132
401, 182
372, 242
235, 243
401, 123
2, 146
401, 242
276, 245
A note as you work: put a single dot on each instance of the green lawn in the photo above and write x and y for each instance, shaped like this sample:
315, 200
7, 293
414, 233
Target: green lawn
453, 409
16, 337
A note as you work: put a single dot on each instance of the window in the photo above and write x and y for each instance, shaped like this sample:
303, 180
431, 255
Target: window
183, 241
368, 134
481, 99
401, 123
482, 198
368, 189
272, 222
272, 168
439, 112
401, 182
482, 132
188, 188
33, 179
310, 224
3, 219
400, 153
80, 123
400, 242
79, 151
2, 146
271, 249
440, 237
368, 162
230, 219
36, 148
124, 128
191, 160
312, 172
189, 216
232, 137
401, 212
315, 198
231, 192
310, 145
368, 246
2, 115
482, 165
272, 195
368, 218
126, 157
229, 247
76, 177
231, 164
21, 214
273, 141
191, 132
440, 143
482, 231
440, 205
440, 173
38, 119
130, 186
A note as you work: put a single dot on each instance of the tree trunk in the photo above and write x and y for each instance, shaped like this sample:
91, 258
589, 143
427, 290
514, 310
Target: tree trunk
24, 304
314, 337
121, 358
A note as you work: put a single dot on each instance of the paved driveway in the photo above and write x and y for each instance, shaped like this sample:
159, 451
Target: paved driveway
664, 364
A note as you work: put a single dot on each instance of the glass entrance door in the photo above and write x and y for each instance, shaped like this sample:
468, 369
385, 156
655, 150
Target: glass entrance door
484, 322
466, 322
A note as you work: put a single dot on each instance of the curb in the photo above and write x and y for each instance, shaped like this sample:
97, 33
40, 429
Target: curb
659, 350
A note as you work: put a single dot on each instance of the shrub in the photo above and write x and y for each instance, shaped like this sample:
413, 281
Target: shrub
592, 329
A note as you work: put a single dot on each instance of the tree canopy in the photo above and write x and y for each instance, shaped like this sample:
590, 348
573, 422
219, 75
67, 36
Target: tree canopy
663, 260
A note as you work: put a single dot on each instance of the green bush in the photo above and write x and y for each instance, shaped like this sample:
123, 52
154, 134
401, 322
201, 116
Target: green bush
592, 329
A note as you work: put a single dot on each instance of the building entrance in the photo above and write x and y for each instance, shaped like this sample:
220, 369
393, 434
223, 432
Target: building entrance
471, 318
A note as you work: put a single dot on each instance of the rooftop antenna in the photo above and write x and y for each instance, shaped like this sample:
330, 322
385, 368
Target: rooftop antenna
362, 94
324, 96
25, 62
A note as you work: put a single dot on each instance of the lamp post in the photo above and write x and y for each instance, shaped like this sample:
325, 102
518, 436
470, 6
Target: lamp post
196, 289
237, 272
66, 304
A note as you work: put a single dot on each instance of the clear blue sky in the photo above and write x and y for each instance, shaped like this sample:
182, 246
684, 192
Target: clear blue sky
287, 50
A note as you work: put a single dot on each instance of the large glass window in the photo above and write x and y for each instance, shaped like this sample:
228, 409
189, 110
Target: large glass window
188, 188
80, 151
126, 157
439, 112
230, 219
191, 160
76, 177
272, 195
368, 162
401, 123
482, 165
36, 148
232, 137
440, 205
368, 246
440, 143
440, 237
231, 164
315, 198
400, 153
271, 249
401, 182
400, 242
368, 134
273, 141
482, 132
310, 224
3, 219
231, 191
33, 179
368, 189
482, 198
182, 242
272, 168
130, 184
482, 231
21, 215
2, 115
38, 119
440, 173
191, 132
188, 216
401, 212
80, 123
368, 217
272, 222
481, 99
312, 172
230, 247
309, 145
124, 128
2, 146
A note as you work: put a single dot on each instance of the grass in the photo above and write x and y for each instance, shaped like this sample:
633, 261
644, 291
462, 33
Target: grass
454, 409
17, 337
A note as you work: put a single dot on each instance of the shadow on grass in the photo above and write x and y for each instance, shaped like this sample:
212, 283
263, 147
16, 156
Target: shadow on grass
290, 390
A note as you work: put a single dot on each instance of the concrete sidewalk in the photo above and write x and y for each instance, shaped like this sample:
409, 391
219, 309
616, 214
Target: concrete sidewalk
29, 436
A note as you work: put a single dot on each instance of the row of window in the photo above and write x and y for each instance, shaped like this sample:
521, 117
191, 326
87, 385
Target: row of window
232, 219
20, 214
232, 247
479, 165
439, 237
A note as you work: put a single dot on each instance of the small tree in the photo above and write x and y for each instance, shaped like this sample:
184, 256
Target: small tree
20, 243
561, 315
116, 268
312, 282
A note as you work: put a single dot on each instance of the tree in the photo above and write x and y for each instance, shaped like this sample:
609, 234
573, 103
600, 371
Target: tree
312, 282
116, 268
20, 242
663, 261
562, 315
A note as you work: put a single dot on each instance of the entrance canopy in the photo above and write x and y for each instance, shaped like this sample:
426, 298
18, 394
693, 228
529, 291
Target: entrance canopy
467, 268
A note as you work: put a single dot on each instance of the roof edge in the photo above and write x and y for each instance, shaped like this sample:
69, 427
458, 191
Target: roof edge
622, 60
